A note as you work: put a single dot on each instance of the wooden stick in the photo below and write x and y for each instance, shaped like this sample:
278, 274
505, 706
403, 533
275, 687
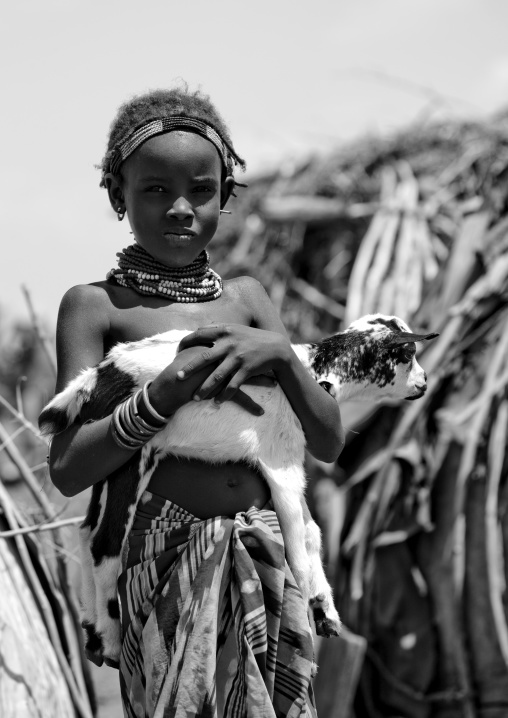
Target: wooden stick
493, 548
467, 459
457, 418
253, 227
361, 266
302, 208
19, 395
12, 436
41, 336
23, 420
368, 247
43, 527
38, 467
317, 298
15, 456
380, 267
65, 553
341, 660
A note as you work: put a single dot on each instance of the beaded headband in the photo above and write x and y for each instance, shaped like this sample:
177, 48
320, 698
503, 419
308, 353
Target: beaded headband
166, 124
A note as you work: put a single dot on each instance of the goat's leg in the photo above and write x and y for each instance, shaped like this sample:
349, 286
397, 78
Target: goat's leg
324, 612
88, 613
123, 495
285, 487
108, 616
106, 558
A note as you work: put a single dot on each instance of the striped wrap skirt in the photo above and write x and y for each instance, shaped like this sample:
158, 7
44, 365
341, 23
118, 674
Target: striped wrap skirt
213, 623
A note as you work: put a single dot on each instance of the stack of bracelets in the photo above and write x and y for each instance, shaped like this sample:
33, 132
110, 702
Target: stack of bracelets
129, 429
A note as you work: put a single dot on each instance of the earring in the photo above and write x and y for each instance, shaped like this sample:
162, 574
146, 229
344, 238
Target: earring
224, 211
120, 213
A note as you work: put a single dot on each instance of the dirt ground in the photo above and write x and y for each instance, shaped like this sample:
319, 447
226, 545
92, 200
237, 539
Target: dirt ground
107, 692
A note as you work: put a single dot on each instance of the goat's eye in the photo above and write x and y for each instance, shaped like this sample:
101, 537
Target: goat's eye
326, 386
406, 353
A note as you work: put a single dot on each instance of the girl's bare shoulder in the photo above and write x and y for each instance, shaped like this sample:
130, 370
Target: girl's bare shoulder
86, 305
83, 323
83, 297
253, 295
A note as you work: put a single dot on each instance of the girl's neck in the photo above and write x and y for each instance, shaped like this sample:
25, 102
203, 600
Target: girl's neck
137, 269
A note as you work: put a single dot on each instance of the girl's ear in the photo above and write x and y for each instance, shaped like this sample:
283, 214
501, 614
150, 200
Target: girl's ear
226, 190
113, 184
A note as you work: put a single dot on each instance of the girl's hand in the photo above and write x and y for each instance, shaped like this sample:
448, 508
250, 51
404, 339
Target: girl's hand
167, 394
237, 352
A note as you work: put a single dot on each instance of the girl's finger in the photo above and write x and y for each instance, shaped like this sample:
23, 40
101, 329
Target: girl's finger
232, 387
204, 336
217, 378
207, 357
261, 380
245, 401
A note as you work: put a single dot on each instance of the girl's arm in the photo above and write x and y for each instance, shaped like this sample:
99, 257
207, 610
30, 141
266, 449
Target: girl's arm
82, 455
241, 352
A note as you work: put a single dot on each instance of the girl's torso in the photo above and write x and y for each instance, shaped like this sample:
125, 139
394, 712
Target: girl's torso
203, 489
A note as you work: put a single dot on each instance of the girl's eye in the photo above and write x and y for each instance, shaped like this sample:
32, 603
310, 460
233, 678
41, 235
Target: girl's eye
203, 188
155, 188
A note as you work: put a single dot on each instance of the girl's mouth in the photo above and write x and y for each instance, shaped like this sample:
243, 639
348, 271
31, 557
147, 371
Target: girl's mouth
179, 237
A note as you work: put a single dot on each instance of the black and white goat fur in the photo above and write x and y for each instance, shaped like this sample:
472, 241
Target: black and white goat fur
373, 359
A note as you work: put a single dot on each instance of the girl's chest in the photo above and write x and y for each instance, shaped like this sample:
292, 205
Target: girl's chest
133, 323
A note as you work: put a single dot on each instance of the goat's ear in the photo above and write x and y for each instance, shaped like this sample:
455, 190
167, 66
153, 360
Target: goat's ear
409, 338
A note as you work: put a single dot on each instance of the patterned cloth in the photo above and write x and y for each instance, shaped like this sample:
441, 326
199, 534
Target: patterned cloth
213, 623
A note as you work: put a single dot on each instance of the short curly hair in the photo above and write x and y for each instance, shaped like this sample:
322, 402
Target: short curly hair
157, 104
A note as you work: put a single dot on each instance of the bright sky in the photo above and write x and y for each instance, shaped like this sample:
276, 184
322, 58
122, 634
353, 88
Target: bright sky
287, 75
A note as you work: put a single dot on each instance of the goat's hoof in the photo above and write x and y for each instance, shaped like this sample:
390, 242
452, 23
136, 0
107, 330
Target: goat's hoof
326, 627
94, 657
111, 662
325, 617
93, 643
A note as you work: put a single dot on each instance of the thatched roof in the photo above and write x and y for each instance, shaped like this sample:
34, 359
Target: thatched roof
305, 224
417, 225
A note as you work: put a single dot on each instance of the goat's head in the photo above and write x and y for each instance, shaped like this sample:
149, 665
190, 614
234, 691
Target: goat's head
373, 359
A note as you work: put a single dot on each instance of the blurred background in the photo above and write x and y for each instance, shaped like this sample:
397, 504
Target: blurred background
376, 140
289, 77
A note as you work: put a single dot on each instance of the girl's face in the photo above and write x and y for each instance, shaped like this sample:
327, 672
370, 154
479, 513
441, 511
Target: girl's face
171, 188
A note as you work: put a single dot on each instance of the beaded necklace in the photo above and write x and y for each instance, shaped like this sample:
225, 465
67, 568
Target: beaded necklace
139, 270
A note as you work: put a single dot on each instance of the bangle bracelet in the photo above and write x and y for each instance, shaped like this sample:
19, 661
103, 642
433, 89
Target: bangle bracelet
155, 414
130, 423
136, 417
129, 430
121, 438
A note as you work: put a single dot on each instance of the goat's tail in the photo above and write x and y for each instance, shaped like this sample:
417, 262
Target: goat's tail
65, 407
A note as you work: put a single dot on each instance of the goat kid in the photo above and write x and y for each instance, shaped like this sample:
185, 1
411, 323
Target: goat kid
373, 359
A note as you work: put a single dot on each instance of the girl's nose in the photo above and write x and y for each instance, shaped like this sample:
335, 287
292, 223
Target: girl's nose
181, 209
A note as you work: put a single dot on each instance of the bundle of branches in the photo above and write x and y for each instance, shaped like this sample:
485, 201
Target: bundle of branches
416, 225
42, 669
301, 231
422, 566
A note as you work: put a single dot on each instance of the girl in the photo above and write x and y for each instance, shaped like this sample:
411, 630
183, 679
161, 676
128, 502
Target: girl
212, 621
